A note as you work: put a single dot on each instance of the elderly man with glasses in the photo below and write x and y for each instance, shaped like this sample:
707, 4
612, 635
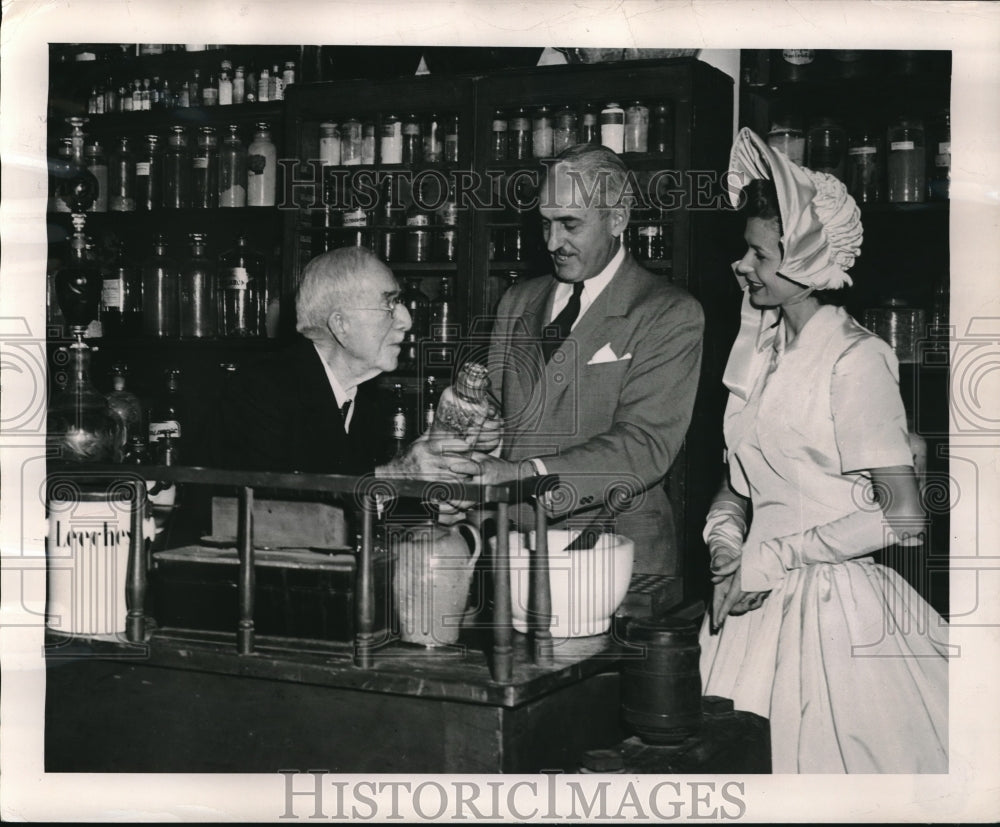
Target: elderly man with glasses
313, 407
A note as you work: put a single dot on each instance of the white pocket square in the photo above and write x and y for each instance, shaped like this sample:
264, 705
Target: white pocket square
605, 355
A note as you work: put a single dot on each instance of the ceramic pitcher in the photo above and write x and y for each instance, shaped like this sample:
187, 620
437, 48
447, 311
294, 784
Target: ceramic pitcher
431, 581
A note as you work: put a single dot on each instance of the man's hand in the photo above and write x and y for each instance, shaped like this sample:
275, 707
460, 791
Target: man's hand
495, 471
425, 460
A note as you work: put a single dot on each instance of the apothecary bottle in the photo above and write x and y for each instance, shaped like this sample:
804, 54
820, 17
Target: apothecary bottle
160, 293
636, 127
121, 298
418, 234
939, 184
906, 175
417, 304
124, 406
198, 307
541, 133
443, 329
149, 175
498, 137
864, 166
826, 147
205, 170
262, 162
661, 129
613, 127
232, 171
413, 149
121, 183
350, 142
177, 170
329, 144
451, 134
391, 143
368, 143
590, 132
519, 135
97, 164
241, 282
563, 129
786, 136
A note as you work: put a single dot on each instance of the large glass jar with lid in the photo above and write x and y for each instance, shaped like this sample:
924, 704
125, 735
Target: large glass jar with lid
97, 164
149, 175
160, 293
232, 171
177, 170
198, 308
786, 136
906, 169
827, 147
121, 183
204, 170
262, 162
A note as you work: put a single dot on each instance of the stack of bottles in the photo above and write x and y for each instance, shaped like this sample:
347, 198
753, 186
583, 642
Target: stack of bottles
430, 138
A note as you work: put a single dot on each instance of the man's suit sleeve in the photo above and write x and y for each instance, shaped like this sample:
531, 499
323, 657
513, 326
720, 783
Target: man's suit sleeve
653, 411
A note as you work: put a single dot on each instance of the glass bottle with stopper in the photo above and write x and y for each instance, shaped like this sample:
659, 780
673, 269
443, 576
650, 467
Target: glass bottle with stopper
467, 415
81, 426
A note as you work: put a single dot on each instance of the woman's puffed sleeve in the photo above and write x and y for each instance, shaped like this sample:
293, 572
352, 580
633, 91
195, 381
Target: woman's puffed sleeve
868, 415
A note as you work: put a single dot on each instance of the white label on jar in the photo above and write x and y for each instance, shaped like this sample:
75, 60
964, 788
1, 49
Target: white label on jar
200, 163
499, 126
111, 294
355, 218
897, 146
944, 148
157, 429
236, 278
798, 57
942, 160
142, 167
862, 150
399, 425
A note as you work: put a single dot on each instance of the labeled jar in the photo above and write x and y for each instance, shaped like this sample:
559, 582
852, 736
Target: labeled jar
498, 136
636, 127
418, 235
97, 165
350, 143
541, 133
232, 171
391, 143
205, 170
864, 167
613, 127
590, 131
149, 175
177, 170
241, 283
329, 144
563, 130
451, 139
519, 135
900, 325
121, 183
262, 160
826, 147
412, 140
906, 176
160, 293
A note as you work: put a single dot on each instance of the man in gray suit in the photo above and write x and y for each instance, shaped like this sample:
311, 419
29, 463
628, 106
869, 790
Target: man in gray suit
597, 365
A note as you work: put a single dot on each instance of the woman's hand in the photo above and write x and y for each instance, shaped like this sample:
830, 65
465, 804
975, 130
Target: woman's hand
728, 597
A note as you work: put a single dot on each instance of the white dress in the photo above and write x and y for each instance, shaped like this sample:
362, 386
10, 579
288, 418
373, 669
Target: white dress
845, 659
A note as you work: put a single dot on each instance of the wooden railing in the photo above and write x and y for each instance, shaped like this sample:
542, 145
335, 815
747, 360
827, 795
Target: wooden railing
366, 492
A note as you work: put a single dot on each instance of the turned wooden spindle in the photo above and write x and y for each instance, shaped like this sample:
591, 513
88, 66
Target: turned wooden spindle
135, 620
540, 596
244, 539
503, 650
364, 636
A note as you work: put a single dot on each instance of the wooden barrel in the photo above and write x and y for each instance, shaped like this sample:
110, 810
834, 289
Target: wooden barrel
661, 691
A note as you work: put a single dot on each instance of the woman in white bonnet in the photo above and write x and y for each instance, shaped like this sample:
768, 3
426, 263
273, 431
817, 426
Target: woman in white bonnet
844, 658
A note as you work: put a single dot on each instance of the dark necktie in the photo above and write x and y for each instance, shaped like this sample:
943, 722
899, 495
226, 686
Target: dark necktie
556, 332
344, 409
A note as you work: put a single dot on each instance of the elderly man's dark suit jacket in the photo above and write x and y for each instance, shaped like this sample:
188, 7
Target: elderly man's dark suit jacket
280, 414
612, 406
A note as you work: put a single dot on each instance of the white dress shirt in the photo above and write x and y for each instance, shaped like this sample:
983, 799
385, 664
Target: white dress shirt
592, 288
341, 395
